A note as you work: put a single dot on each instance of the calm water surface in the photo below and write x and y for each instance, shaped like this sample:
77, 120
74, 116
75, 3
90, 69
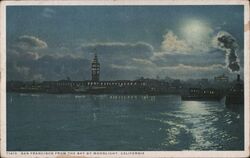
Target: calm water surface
53, 122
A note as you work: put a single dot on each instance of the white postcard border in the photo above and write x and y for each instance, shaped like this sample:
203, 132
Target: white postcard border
73, 154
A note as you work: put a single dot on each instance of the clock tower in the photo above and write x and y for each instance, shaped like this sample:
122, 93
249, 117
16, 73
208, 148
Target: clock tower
95, 69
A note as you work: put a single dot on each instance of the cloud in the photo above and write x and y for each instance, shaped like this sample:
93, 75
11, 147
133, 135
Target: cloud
48, 12
113, 49
30, 58
25, 49
123, 67
171, 43
200, 46
29, 42
184, 68
120, 60
51, 63
116, 52
142, 66
182, 71
199, 59
226, 42
48, 68
190, 71
22, 70
143, 62
57, 68
131, 71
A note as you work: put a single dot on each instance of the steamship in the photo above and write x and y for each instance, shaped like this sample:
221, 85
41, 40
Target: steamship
235, 95
200, 94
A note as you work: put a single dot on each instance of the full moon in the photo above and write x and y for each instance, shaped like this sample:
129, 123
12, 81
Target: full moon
195, 31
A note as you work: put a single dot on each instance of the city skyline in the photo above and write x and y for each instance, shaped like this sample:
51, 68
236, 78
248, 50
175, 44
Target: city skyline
51, 43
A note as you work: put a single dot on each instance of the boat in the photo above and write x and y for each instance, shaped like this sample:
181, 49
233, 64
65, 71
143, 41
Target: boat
200, 94
235, 95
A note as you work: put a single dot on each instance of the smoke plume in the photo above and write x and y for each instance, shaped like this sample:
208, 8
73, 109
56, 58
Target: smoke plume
226, 42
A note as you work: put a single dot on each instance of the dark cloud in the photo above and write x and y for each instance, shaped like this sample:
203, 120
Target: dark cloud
202, 59
49, 68
49, 65
117, 72
227, 43
116, 53
190, 71
56, 68
182, 71
22, 56
34, 60
25, 63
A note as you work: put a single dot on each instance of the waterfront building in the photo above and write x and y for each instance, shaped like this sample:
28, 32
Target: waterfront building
204, 82
95, 85
95, 69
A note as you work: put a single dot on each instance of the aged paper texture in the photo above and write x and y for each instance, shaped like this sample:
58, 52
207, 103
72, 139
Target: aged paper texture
120, 78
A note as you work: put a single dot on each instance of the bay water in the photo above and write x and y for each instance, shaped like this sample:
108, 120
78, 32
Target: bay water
69, 122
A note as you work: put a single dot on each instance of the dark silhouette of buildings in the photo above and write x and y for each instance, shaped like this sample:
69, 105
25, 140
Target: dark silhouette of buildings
195, 90
95, 85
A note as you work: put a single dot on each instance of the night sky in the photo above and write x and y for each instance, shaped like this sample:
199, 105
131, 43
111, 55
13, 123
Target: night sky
55, 42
